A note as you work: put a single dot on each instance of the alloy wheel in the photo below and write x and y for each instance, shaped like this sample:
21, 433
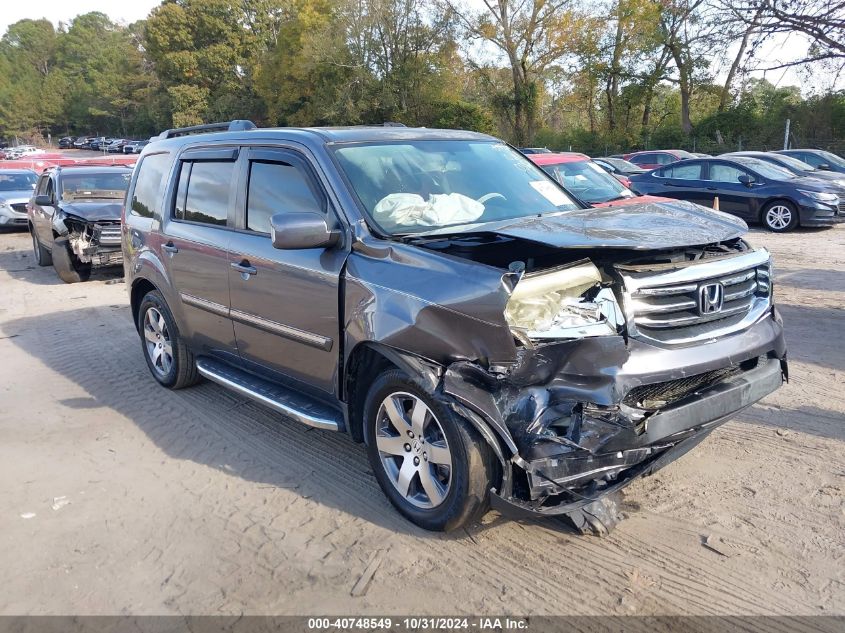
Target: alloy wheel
413, 450
779, 217
157, 342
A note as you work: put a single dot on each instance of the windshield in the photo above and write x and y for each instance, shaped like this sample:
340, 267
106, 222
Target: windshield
768, 170
420, 186
17, 182
832, 159
111, 185
588, 181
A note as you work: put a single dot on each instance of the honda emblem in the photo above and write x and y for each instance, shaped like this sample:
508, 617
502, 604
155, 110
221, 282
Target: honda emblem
710, 298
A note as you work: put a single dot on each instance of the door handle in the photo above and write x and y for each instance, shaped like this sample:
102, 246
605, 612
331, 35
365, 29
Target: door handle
244, 268
712, 189
170, 248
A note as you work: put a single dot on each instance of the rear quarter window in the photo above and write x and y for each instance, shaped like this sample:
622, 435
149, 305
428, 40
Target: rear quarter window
146, 198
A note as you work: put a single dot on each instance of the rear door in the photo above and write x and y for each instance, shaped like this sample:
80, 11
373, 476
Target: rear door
684, 181
285, 303
735, 197
196, 233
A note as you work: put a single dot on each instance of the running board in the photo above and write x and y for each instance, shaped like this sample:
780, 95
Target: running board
286, 401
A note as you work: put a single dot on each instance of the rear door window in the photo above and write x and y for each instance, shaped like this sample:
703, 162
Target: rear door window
203, 192
644, 159
683, 171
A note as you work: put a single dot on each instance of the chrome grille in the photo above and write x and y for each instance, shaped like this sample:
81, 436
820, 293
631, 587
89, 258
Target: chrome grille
107, 234
667, 305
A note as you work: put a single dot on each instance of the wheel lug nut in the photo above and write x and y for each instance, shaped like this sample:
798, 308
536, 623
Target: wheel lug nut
410, 434
407, 448
425, 456
416, 461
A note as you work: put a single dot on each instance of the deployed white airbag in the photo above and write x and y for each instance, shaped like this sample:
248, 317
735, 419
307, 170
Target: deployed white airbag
410, 209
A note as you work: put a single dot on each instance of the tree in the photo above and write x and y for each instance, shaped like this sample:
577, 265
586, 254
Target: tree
532, 35
204, 57
822, 21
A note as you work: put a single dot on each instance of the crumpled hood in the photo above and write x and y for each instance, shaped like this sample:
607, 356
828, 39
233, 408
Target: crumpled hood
91, 211
645, 226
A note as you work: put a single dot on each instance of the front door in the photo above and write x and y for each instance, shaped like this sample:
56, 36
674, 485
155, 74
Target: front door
285, 303
734, 197
42, 216
195, 239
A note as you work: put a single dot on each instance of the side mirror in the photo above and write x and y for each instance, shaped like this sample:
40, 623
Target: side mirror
44, 201
824, 166
746, 180
301, 230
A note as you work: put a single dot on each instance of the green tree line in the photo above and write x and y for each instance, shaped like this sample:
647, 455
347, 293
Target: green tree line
599, 76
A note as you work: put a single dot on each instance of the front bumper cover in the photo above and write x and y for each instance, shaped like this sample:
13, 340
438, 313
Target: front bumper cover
574, 437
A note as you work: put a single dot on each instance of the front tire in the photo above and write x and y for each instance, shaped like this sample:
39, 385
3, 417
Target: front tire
170, 361
780, 216
42, 255
68, 267
431, 464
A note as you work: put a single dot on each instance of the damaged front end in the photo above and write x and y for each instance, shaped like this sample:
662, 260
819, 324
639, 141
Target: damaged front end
91, 241
622, 365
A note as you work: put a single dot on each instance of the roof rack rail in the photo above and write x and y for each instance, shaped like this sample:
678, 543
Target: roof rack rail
238, 125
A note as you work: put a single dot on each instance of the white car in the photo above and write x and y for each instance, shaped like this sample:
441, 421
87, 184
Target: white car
22, 150
16, 186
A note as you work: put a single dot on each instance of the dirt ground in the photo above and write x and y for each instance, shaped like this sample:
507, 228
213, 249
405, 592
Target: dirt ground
119, 497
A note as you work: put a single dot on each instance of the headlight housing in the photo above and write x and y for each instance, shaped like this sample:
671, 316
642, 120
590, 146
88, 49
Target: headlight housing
821, 196
565, 303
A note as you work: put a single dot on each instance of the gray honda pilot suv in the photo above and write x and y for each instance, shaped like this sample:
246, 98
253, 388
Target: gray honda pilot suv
439, 298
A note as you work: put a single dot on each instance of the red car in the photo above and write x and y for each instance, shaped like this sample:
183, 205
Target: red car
586, 180
657, 158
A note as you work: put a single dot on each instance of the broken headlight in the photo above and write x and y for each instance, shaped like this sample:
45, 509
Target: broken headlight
566, 303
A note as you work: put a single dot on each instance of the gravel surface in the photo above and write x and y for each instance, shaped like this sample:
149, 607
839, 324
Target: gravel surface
119, 497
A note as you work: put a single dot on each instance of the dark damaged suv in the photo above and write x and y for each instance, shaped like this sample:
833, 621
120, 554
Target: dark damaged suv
74, 218
438, 297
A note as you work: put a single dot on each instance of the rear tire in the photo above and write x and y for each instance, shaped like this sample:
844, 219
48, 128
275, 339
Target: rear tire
780, 216
170, 361
68, 267
42, 255
431, 464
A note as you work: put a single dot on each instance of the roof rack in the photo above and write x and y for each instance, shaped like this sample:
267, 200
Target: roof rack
86, 164
238, 125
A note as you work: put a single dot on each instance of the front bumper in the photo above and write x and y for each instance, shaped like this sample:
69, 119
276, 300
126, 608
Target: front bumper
578, 433
817, 214
9, 216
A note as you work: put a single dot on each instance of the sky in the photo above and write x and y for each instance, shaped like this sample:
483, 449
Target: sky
127, 11
64, 10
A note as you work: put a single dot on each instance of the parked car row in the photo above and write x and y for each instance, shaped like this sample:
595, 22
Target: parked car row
103, 143
20, 151
776, 189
